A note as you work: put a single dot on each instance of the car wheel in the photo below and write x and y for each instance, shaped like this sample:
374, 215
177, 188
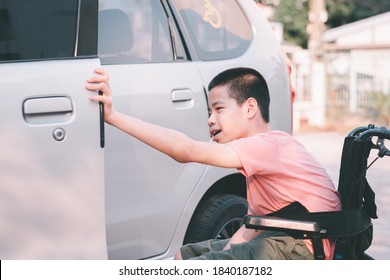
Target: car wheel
219, 217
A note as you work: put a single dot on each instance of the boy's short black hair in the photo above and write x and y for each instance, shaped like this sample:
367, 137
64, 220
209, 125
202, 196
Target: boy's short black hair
244, 83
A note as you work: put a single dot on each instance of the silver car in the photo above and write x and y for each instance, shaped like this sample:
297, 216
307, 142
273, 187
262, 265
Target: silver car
73, 188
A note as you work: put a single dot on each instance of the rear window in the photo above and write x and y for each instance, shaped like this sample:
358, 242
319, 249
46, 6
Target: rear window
44, 29
135, 31
219, 29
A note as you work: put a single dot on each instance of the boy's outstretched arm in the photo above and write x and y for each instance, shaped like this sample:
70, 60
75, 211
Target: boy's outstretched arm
171, 142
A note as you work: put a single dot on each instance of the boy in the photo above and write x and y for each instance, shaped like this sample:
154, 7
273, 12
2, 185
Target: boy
278, 169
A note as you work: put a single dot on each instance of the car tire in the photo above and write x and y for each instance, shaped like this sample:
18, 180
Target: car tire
218, 217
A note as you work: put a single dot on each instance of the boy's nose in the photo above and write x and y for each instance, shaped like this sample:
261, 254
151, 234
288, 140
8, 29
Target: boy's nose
211, 120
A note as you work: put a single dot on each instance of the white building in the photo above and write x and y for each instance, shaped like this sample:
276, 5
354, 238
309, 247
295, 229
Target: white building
365, 33
356, 66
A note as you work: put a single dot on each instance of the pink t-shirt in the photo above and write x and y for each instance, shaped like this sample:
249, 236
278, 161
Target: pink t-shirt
280, 171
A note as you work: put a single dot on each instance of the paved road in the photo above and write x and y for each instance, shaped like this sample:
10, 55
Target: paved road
327, 147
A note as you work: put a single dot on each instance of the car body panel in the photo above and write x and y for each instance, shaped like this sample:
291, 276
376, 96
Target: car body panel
71, 199
147, 190
51, 192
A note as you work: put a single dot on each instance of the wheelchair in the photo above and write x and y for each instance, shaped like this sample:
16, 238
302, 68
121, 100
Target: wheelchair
352, 226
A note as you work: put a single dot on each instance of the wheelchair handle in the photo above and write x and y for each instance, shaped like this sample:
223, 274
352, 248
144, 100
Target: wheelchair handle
382, 133
365, 132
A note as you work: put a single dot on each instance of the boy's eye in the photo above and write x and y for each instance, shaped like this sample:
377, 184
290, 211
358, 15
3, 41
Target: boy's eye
214, 109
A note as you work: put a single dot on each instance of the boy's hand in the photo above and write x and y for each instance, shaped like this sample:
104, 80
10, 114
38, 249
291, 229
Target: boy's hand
100, 82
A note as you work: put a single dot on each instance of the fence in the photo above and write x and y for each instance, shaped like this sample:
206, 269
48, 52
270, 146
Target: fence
358, 82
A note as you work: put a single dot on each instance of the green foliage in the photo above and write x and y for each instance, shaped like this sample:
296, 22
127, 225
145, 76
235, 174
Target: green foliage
293, 14
345, 11
339, 12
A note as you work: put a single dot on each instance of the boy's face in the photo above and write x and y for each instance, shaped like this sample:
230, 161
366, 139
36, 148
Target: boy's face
227, 118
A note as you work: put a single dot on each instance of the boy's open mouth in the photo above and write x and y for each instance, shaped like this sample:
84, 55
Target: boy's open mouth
215, 132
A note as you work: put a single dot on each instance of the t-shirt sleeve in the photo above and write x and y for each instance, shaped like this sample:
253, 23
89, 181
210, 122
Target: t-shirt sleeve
259, 154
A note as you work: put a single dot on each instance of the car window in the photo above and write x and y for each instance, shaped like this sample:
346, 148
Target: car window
45, 29
135, 31
218, 28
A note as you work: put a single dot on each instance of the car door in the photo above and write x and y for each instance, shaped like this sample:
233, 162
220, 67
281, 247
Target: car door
51, 162
146, 191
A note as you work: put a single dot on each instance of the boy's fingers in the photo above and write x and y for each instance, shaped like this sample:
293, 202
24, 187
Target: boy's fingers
96, 98
100, 76
100, 71
98, 79
100, 98
99, 86
97, 83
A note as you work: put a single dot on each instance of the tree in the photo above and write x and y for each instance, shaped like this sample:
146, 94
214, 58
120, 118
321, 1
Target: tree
345, 11
339, 12
293, 14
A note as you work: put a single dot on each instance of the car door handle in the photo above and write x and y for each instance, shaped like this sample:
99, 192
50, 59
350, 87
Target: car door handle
182, 98
46, 110
180, 95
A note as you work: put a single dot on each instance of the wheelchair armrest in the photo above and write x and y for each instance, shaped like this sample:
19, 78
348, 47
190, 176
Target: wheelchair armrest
302, 229
295, 228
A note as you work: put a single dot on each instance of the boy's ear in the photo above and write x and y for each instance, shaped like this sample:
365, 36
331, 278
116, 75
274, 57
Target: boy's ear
251, 107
